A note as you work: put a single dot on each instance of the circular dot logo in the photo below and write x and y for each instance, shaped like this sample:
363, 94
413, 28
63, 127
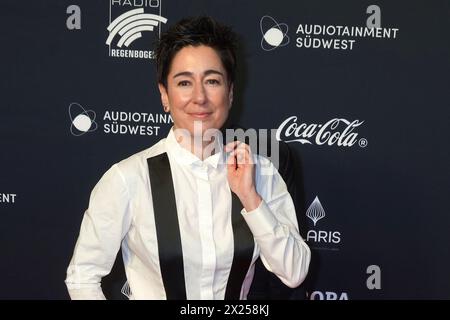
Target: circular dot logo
82, 120
274, 34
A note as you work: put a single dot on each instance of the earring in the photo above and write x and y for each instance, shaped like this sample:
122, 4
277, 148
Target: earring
166, 108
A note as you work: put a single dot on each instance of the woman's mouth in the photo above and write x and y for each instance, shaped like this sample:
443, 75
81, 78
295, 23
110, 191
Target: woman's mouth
200, 115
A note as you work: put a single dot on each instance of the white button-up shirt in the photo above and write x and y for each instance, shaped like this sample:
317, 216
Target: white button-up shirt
120, 213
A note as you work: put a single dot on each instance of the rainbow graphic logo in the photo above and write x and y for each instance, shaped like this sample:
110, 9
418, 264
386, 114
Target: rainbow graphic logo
130, 26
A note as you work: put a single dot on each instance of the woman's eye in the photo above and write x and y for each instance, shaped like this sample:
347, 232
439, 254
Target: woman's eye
183, 83
213, 81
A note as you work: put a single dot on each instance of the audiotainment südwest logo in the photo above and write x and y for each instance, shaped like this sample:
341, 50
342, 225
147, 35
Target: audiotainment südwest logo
119, 122
134, 25
81, 120
274, 34
317, 238
321, 36
8, 198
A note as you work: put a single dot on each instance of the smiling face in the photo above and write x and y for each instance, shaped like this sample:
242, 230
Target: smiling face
197, 89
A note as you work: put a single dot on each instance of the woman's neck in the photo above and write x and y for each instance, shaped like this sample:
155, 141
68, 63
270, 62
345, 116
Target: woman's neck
199, 146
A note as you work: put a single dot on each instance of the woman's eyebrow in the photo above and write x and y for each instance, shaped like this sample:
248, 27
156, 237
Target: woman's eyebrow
212, 71
190, 74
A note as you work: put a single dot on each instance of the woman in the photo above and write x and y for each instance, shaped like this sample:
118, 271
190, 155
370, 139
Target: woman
192, 216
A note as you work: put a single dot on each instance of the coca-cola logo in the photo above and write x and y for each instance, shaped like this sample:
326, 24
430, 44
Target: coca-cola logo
337, 131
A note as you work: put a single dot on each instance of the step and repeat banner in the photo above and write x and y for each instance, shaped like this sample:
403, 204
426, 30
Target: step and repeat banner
358, 90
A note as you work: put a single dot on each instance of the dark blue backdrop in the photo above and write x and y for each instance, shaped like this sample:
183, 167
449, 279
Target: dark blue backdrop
384, 227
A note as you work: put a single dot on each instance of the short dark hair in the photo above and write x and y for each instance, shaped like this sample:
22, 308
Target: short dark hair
196, 31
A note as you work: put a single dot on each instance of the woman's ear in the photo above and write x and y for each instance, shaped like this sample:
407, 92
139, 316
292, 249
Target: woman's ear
164, 97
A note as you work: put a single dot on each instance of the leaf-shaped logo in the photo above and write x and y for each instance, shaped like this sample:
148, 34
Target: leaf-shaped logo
315, 211
126, 291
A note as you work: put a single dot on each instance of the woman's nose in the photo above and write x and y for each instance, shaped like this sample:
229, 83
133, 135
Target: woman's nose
199, 94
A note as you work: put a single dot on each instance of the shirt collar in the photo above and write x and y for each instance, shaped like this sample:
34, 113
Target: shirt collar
185, 157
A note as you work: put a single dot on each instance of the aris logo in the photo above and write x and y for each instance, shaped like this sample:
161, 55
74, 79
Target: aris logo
316, 212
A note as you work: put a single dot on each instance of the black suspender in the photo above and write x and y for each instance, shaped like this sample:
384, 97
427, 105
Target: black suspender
167, 228
243, 250
169, 240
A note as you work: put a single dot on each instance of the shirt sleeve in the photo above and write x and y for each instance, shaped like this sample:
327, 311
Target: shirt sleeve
103, 227
275, 229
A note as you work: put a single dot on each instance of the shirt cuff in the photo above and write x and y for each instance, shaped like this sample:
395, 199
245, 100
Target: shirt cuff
86, 294
261, 221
